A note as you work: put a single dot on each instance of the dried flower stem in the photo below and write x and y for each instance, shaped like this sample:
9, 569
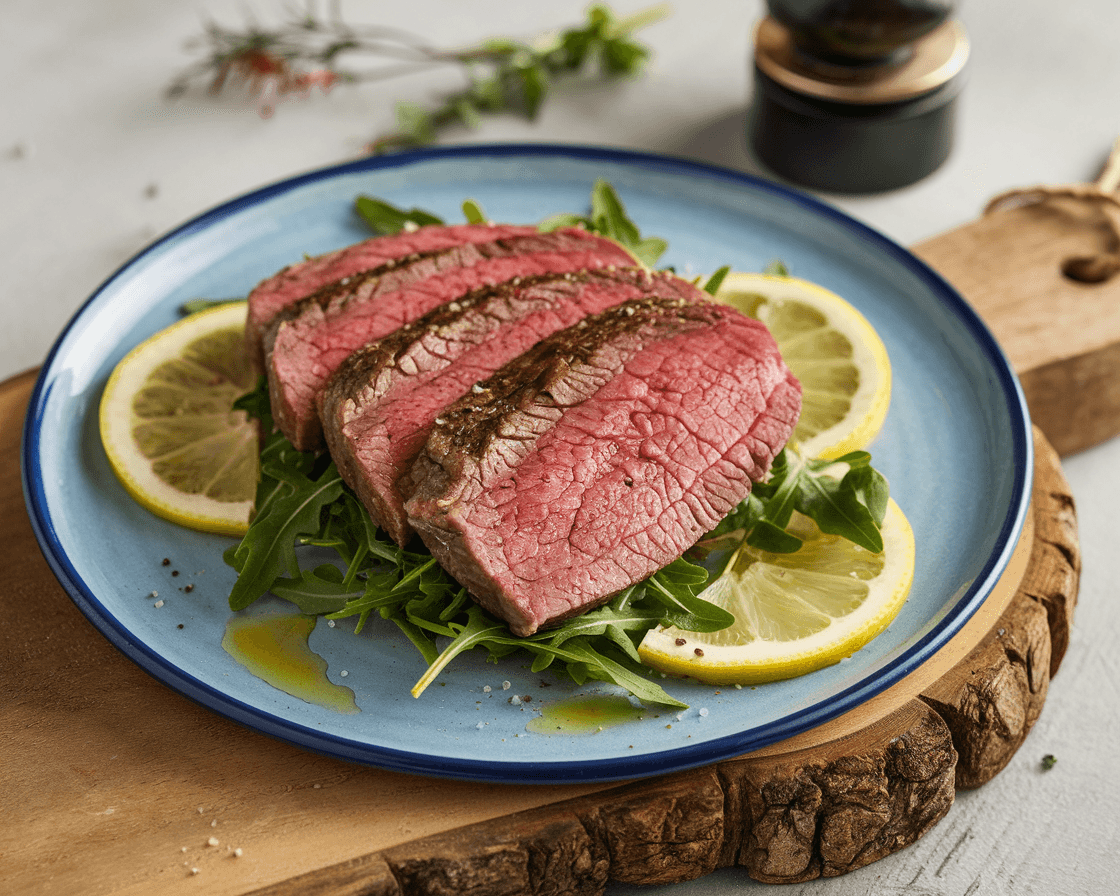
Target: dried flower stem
502, 74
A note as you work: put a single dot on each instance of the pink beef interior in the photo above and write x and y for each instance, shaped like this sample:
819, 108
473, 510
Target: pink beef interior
380, 407
612, 469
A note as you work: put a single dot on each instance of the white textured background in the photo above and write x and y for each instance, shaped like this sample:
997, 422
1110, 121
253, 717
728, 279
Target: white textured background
95, 163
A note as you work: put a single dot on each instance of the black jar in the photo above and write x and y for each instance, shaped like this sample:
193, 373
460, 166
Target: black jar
860, 109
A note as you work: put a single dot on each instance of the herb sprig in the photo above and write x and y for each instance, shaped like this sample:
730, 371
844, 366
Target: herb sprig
305, 513
503, 75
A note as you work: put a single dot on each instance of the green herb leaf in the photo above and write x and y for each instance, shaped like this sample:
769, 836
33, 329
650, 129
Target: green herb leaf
316, 592
602, 667
766, 536
473, 212
384, 218
838, 508
608, 215
609, 218
713, 284
676, 588
478, 629
556, 222
289, 505
649, 250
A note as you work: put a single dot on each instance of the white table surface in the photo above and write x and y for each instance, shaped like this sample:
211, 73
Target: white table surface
95, 163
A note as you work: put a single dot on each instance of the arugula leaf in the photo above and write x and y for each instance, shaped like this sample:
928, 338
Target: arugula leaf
290, 504
675, 588
601, 666
473, 212
608, 218
317, 591
851, 507
384, 218
476, 631
713, 284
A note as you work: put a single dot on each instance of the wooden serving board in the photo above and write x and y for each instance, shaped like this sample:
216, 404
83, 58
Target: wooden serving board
111, 783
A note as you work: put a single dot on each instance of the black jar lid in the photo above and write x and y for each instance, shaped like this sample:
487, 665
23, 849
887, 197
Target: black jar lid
855, 128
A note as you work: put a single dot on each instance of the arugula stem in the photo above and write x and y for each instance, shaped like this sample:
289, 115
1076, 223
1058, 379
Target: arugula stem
355, 563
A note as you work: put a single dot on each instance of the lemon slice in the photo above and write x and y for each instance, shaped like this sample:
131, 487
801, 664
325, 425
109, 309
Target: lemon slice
169, 428
842, 364
794, 613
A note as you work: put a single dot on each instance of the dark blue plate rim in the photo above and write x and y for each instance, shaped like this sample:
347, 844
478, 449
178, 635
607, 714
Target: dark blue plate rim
608, 769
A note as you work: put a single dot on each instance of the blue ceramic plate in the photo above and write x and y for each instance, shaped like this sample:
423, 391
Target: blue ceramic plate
956, 448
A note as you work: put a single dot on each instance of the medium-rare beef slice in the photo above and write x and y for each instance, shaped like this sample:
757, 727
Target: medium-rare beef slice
306, 343
379, 406
601, 455
295, 281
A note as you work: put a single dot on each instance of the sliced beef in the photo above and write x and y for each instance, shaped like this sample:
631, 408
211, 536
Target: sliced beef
379, 406
382, 252
601, 455
306, 342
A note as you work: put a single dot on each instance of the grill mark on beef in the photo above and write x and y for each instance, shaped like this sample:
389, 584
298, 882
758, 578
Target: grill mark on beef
600, 456
382, 401
298, 280
305, 350
470, 424
340, 293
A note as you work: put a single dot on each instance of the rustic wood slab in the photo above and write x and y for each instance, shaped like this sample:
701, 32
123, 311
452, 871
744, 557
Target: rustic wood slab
111, 783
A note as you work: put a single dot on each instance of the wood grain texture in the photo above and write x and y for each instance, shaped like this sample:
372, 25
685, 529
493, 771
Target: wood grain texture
1062, 336
111, 783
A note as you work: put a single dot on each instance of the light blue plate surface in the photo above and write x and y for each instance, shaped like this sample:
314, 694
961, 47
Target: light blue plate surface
956, 448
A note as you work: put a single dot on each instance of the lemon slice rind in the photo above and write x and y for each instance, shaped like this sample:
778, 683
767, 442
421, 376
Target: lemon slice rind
117, 421
760, 660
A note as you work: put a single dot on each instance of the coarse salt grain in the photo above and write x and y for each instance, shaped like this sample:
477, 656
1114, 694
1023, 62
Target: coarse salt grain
506, 685
213, 841
343, 673
237, 852
158, 603
703, 712
486, 689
